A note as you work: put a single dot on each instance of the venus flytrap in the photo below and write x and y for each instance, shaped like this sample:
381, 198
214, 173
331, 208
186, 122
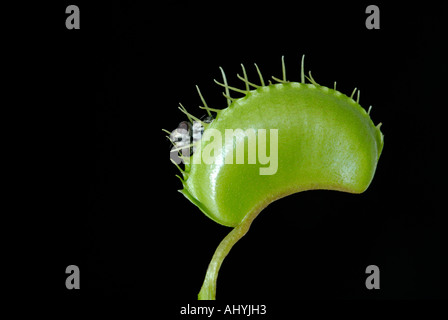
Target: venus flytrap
284, 138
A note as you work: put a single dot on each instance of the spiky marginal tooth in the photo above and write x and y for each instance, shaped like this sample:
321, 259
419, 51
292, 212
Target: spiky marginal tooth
334, 87
185, 147
379, 125
169, 138
166, 131
368, 111
283, 73
203, 101
259, 74
228, 97
247, 82
181, 108
302, 72
353, 93
190, 117
177, 166
283, 68
211, 109
245, 77
279, 80
357, 97
181, 179
229, 101
311, 79
229, 87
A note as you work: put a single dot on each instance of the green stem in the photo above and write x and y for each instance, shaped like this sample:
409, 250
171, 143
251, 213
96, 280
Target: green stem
208, 290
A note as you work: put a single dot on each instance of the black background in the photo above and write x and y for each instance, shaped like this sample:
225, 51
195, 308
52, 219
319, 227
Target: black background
121, 219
